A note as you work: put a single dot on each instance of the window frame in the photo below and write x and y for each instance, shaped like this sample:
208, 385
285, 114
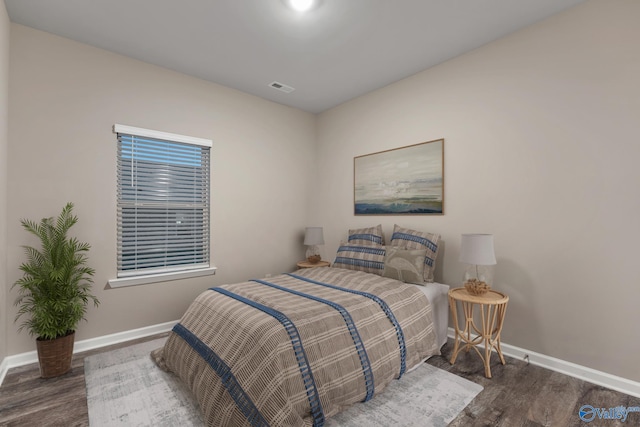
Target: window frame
176, 272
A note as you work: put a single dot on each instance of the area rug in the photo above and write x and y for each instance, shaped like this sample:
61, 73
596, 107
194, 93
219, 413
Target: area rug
125, 388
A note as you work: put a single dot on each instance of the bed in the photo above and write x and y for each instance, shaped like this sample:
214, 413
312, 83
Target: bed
296, 349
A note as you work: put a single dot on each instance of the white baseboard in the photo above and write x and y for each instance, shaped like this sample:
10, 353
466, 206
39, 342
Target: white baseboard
584, 373
88, 344
4, 368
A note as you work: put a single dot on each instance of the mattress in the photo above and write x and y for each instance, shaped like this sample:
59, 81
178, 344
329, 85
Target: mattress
438, 296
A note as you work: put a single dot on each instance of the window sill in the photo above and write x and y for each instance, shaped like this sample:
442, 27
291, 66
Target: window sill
157, 278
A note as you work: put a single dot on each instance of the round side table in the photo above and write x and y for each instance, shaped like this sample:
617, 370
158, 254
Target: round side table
493, 306
307, 264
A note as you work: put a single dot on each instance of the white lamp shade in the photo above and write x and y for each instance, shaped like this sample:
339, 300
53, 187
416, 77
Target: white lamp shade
477, 249
313, 236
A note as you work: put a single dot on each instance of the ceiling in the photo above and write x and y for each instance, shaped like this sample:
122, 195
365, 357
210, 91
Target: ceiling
336, 52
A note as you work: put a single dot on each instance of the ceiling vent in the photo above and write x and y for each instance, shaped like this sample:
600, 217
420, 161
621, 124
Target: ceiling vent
282, 87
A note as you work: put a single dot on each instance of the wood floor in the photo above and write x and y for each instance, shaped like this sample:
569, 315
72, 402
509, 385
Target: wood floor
517, 395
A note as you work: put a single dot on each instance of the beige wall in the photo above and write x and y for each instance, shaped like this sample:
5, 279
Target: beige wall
541, 149
4, 135
66, 96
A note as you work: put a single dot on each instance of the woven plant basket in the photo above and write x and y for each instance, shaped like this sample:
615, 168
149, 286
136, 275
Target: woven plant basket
55, 355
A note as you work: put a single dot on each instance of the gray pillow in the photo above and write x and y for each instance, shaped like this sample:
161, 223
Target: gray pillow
406, 265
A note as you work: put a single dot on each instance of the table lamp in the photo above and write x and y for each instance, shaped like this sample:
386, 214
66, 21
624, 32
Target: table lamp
477, 251
312, 238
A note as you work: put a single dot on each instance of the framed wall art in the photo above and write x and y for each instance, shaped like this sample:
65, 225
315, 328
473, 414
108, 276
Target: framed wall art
402, 181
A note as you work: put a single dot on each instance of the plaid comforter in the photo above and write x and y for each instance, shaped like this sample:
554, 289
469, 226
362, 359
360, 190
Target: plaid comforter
298, 348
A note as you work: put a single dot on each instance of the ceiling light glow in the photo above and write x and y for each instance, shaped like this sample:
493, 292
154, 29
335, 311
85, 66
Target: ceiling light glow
301, 5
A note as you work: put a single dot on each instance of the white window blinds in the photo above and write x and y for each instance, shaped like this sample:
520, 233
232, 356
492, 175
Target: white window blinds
163, 202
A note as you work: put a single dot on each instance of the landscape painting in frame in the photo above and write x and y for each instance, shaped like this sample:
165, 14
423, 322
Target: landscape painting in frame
403, 181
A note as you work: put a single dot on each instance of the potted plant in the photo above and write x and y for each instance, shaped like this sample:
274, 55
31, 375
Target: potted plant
54, 290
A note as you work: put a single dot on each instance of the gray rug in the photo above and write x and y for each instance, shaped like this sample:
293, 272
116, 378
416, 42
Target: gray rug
125, 388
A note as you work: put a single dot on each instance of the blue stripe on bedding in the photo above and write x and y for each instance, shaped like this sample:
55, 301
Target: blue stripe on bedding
363, 249
383, 305
355, 335
413, 238
305, 368
229, 381
360, 262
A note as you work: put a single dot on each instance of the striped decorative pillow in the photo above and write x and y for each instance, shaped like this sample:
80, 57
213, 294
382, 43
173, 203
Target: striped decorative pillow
412, 239
367, 258
367, 236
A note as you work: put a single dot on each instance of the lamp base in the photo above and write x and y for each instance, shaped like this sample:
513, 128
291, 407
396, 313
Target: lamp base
313, 259
313, 254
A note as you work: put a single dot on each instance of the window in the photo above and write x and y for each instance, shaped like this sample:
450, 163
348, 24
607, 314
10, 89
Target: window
163, 206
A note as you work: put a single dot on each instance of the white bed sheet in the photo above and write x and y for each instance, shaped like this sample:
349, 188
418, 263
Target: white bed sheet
438, 296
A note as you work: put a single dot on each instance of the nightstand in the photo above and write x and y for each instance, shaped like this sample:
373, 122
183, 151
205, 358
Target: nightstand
492, 307
307, 264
